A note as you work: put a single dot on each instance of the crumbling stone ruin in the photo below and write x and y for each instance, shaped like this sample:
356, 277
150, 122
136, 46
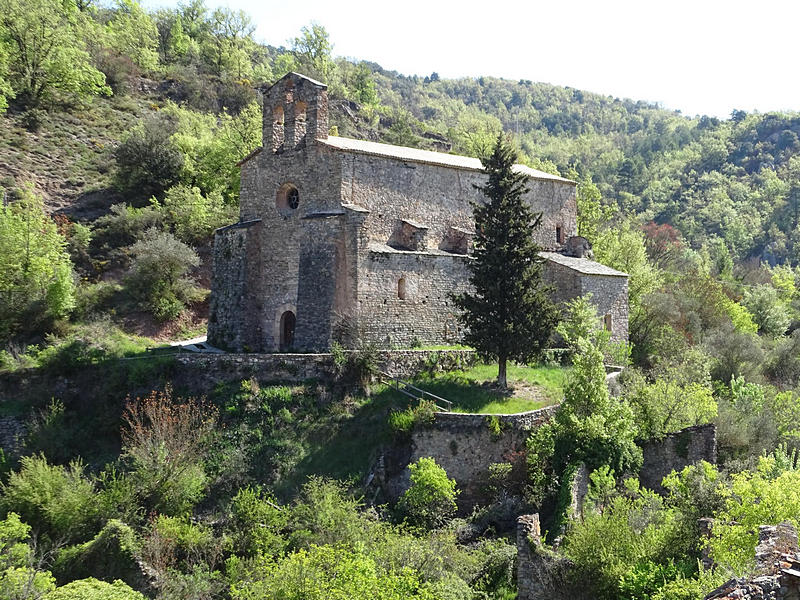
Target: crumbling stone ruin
353, 240
777, 573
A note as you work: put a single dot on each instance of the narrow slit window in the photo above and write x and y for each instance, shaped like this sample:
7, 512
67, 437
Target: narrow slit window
401, 288
607, 322
559, 234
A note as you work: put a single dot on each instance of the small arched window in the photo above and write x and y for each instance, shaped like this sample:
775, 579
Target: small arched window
401, 288
287, 200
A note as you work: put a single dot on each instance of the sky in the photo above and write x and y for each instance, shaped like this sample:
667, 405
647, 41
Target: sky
700, 57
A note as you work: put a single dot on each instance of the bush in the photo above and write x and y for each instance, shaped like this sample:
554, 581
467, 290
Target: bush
404, 421
164, 442
158, 274
36, 281
616, 548
57, 501
148, 162
431, 498
92, 589
194, 216
257, 521
109, 556
124, 225
326, 572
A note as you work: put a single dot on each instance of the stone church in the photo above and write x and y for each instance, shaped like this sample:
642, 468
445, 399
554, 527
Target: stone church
344, 239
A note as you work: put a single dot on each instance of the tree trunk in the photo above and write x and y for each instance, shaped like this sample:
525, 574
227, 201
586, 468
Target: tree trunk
501, 373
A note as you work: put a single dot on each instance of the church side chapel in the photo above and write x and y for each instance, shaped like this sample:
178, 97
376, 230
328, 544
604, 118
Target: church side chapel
350, 240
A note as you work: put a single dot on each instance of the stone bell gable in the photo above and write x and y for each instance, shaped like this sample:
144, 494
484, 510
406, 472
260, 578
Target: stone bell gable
359, 241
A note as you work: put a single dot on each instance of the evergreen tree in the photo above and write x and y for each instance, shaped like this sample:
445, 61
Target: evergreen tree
509, 314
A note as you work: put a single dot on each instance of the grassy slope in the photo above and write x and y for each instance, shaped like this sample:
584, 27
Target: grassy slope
69, 158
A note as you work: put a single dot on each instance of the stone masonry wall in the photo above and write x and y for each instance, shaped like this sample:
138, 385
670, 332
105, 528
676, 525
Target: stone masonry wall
230, 323
464, 446
610, 296
209, 369
12, 431
440, 197
676, 451
425, 312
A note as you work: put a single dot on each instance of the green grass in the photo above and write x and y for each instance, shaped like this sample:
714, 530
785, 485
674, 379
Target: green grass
471, 390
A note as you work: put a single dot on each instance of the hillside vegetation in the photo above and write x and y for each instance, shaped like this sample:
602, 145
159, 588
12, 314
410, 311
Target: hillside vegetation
120, 129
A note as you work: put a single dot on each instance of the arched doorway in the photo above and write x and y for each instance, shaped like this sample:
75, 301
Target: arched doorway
288, 321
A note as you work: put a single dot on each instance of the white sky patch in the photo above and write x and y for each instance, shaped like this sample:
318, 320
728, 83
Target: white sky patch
700, 56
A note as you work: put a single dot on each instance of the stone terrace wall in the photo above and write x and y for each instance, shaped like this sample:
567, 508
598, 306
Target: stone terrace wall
12, 430
676, 451
464, 446
209, 369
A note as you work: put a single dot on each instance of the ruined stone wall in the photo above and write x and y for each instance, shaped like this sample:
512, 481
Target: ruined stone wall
439, 197
464, 446
676, 451
610, 296
405, 297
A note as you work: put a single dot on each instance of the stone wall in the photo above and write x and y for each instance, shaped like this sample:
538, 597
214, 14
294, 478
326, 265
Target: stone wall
610, 296
776, 564
231, 322
676, 451
12, 431
541, 573
209, 369
464, 445
405, 297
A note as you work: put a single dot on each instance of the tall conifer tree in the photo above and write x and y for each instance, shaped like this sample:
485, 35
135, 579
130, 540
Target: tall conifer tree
509, 314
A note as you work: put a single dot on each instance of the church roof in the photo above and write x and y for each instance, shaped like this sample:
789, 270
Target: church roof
425, 156
581, 265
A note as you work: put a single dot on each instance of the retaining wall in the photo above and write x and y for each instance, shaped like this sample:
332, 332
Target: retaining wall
215, 368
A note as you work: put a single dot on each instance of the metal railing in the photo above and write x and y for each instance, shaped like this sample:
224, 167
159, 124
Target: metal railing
416, 393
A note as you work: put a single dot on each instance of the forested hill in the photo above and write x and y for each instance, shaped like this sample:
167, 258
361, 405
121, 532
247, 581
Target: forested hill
737, 180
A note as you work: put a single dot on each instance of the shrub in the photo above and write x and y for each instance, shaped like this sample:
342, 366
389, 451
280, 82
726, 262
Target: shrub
92, 589
109, 556
615, 547
404, 421
57, 501
148, 162
754, 499
124, 225
328, 572
431, 498
194, 216
258, 521
164, 442
158, 275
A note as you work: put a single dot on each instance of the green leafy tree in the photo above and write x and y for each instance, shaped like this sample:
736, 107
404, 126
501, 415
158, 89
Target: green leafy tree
768, 311
509, 314
47, 58
132, 32
589, 427
148, 162
431, 498
230, 35
35, 270
313, 51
